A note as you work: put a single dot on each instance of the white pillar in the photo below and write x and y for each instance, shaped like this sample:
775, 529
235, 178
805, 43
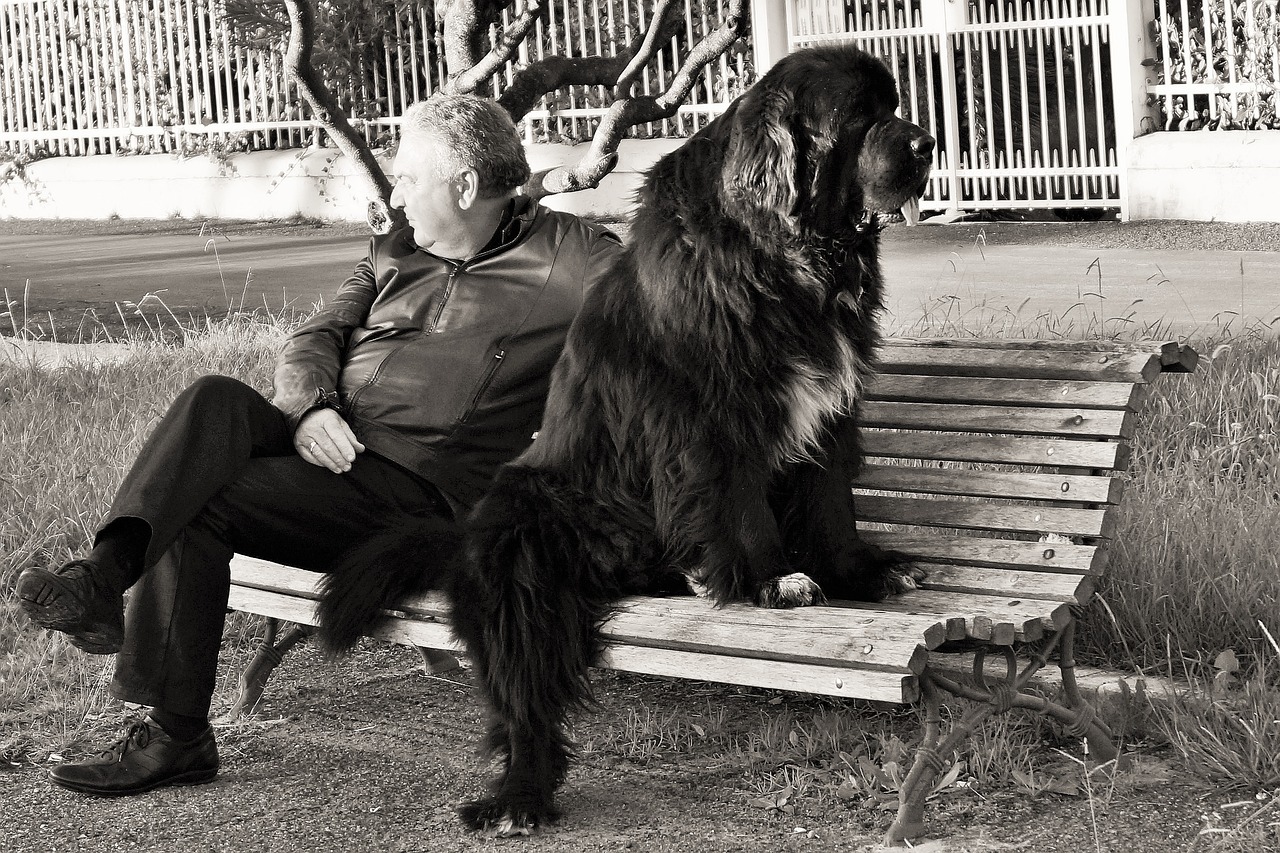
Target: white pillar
769, 33
941, 18
1129, 80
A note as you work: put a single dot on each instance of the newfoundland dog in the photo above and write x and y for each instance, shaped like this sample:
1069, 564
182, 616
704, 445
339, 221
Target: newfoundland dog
700, 426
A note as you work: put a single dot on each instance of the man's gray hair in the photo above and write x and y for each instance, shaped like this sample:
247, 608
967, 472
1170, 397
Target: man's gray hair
478, 134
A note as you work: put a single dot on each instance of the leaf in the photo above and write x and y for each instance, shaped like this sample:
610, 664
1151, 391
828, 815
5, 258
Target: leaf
699, 730
872, 772
847, 791
1226, 662
1066, 787
949, 778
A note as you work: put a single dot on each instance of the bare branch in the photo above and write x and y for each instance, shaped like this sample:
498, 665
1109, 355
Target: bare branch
556, 72
714, 45
464, 23
662, 26
616, 72
469, 80
325, 108
628, 112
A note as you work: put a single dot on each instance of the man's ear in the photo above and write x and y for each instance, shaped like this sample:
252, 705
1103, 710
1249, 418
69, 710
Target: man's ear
467, 185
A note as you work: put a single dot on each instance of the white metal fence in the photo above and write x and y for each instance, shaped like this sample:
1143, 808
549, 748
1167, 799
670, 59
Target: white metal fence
106, 76
1217, 64
1032, 101
1018, 94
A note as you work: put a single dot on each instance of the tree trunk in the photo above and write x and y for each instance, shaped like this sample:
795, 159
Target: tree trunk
297, 62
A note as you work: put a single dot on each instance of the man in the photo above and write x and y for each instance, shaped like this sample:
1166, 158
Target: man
393, 407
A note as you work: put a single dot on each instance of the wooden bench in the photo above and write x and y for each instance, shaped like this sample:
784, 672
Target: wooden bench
992, 463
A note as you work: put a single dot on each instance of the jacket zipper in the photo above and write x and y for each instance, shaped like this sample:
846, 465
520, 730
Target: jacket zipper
448, 291
484, 385
453, 275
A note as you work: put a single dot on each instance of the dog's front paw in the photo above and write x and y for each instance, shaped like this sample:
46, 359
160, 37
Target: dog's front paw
794, 590
903, 577
503, 820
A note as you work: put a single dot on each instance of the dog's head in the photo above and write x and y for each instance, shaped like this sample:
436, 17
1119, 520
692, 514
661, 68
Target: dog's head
814, 146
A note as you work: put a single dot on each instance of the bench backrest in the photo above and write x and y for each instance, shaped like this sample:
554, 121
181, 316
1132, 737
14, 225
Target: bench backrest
993, 464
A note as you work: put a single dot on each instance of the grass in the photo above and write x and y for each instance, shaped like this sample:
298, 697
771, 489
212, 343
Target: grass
1194, 574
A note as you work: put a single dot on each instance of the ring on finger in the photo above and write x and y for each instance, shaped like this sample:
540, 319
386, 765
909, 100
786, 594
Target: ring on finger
312, 446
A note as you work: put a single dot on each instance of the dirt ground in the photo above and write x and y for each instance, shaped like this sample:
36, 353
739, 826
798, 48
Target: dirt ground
371, 755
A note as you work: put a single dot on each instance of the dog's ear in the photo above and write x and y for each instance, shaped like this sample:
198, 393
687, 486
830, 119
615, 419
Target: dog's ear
760, 162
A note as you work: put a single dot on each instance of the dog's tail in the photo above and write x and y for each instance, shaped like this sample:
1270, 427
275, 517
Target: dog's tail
530, 599
379, 570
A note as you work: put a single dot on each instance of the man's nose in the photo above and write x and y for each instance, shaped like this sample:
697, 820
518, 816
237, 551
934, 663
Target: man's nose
395, 197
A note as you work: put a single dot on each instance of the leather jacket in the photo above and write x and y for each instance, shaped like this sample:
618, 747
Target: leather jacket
443, 367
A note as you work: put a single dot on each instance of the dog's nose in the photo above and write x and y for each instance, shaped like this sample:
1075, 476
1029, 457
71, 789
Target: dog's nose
922, 145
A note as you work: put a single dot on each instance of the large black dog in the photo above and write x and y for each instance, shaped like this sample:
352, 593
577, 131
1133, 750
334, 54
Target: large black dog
700, 420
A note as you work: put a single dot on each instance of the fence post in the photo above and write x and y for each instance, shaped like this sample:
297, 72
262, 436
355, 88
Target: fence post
769, 37
1130, 44
941, 18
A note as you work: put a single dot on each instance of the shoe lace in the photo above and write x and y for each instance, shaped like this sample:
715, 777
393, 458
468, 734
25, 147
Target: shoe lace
138, 734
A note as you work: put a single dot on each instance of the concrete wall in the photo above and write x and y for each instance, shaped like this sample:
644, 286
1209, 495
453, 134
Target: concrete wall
1207, 176
1231, 176
318, 183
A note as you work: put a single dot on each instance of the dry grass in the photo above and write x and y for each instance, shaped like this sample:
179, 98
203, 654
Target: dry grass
1194, 573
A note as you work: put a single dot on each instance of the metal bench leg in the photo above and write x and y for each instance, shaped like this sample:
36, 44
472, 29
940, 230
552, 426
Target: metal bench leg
436, 661
926, 767
254, 678
1080, 720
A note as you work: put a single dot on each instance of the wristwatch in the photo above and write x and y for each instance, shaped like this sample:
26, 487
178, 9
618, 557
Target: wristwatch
324, 400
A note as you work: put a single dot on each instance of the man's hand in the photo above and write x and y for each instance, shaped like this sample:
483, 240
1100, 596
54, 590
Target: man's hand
323, 438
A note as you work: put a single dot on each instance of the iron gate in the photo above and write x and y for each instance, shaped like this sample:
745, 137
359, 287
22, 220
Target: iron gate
1018, 94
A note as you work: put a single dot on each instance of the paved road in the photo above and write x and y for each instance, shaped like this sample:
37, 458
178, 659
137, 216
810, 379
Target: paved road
1002, 274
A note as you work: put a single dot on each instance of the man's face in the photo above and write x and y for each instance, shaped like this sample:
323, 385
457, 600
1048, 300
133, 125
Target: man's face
431, 203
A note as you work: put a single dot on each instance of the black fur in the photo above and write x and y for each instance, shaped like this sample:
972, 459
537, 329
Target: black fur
700, 420
378, 571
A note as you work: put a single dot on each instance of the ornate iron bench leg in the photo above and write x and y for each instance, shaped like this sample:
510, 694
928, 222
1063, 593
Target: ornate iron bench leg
926, 767
436, 661
1080, 720
254, 678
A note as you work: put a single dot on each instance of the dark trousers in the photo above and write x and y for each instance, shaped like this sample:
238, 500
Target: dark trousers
219, 475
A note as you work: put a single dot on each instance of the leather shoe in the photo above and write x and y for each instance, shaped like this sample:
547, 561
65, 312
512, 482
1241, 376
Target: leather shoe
145, 757
75, 600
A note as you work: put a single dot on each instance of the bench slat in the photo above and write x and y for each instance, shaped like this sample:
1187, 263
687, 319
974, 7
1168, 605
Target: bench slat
1064, 393
1087, 360
996, 484
882, 684
891, 687
277, 605
1002, 450
745, 618
1070, 588
892, 651
263, 574
1173, 356
1001, 620
983, 551
1008, 420
1011, 518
